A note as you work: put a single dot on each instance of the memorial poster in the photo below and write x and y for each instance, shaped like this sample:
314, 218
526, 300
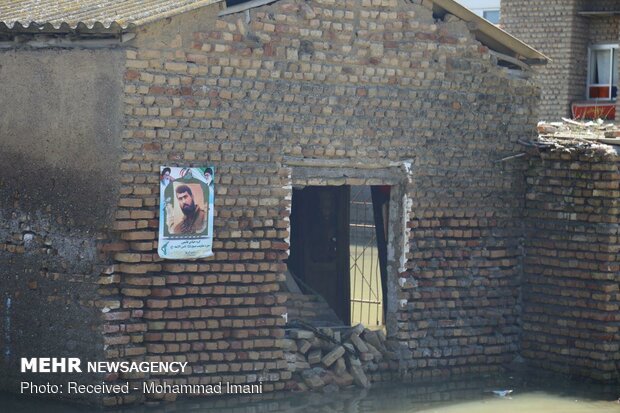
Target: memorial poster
186, 212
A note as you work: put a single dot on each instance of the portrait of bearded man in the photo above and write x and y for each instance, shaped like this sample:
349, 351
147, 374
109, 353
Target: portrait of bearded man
194, 217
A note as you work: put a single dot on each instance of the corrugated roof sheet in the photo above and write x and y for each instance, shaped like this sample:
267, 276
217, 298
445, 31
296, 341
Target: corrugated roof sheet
71, 13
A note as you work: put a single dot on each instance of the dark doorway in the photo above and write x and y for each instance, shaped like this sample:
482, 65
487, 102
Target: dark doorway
320, 244
339, 249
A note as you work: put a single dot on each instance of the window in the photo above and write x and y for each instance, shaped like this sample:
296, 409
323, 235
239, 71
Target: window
491, 15
602, 72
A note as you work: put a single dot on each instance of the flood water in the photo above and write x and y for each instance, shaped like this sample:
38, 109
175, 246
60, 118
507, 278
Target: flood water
466, 395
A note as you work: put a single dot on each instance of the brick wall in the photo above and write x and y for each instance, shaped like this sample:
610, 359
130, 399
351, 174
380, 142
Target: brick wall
364, 81
303, 94
604, 30
379, 83
553, 28
571, 293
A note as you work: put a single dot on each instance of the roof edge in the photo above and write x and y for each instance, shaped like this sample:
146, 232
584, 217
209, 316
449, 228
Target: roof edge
178, 10
82, 27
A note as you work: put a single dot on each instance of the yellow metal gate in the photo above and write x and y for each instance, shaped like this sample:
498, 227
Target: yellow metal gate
365, 267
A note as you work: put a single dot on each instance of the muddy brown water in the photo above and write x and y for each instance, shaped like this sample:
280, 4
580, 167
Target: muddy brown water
465, 395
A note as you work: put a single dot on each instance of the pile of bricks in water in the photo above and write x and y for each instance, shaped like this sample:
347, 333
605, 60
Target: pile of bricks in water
329, 360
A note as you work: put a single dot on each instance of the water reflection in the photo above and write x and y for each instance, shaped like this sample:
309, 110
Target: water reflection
466, 395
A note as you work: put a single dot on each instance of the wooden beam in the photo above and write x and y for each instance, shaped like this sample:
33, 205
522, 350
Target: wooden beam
510, 59
50, 42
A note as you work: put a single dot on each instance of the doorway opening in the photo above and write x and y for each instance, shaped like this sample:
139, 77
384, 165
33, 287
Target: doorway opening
339, 251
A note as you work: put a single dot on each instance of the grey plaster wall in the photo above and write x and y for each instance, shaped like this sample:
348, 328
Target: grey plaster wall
60, 134
61, 120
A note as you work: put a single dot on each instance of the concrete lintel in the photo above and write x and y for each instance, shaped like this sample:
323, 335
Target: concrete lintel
303, 176
344, 163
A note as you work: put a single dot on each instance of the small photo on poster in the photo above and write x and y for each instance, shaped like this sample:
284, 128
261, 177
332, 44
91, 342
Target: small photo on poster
188, 216
186, 212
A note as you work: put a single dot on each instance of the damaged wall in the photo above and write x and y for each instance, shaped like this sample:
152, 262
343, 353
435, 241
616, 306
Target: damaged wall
571, 286
60, 129
371, 83
365, 81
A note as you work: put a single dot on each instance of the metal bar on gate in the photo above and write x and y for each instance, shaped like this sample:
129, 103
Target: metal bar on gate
361, 300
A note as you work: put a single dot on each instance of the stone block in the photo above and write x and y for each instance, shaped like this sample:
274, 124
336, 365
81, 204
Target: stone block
314, 356
331, 357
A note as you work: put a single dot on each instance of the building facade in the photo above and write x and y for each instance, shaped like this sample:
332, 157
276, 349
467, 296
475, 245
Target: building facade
581, 39
280, 97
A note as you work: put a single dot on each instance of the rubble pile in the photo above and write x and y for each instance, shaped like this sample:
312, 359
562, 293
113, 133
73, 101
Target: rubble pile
327, 359
579, 132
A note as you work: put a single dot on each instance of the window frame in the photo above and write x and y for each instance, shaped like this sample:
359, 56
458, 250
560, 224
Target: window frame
491, 10
614, 48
